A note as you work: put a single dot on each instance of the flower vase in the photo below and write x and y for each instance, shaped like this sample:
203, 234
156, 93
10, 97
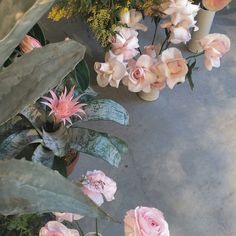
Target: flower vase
204, 22
151, 96
93, 234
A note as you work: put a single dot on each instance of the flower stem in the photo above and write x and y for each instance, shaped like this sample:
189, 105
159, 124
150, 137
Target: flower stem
96, 226
196, 55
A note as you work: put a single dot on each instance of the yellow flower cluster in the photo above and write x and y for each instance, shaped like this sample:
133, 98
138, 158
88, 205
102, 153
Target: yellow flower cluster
59, 11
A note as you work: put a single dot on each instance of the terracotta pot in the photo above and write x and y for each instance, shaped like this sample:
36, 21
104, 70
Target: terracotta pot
152, 96
93, 234
204, 22
71, 159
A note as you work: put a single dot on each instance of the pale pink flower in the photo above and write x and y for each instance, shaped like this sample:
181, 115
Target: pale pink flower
54, 228
152, 50
96, 185
215, 5
145, 221
175, 66
132, 18
60, 216
63, 107
179, 35
111, 71
140, 75
159, 69
214, 46
125, 42
29, 43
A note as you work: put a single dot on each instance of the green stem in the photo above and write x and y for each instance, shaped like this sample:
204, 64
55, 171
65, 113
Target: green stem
163, 44
196, 55
155, 33
96, 227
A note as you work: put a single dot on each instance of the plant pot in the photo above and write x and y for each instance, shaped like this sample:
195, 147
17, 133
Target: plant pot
93, 234
71, 160
152, 96
204, 22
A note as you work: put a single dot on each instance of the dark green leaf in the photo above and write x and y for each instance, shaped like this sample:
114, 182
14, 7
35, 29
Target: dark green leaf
60, 165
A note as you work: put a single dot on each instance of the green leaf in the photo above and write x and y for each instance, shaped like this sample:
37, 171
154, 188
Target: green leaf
43, 156
16, 19
16, 142
28, 187
34, 73
82, 75
106, 109
98, 144
37, 33
60, 165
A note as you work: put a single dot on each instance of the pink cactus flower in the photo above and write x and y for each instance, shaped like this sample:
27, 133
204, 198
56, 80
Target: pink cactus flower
61, 216
29, 43
63, 107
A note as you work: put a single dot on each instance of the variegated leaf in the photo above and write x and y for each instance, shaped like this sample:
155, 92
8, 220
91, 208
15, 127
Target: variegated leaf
105, 109
98, 144
16, 142
28, 187
43, 156
58, 141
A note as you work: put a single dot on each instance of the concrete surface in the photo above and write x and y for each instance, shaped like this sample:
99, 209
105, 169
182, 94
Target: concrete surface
182, 147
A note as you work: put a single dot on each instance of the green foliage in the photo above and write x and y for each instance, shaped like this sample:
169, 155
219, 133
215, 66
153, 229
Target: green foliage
28, 187
23, 225
191, 67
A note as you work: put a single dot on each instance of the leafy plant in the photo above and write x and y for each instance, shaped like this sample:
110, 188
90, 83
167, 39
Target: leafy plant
28, 187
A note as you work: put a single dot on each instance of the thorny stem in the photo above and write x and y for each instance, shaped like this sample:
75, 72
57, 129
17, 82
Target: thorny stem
196, 55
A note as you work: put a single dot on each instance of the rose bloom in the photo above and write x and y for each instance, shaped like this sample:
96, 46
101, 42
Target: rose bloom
29, 43
215, 5
96, 185
214, 46
60, 216
175, 66
54, 228
132, 18
140, 75
111, 72
125, 42
152, 50
145, 221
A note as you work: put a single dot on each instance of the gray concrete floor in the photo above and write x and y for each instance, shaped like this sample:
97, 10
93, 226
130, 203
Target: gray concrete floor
182, 147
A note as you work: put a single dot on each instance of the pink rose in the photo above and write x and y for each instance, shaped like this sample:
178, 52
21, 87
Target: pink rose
214, 46
215, 5
60, 216
96, 185
175, 66
132, 18
145, 221
29, 43
140, 75
54, 228
125, 42
152, 50
111, 72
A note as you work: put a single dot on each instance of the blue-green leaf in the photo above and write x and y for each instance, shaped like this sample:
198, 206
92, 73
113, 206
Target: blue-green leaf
106, 109
28, 187
98, 144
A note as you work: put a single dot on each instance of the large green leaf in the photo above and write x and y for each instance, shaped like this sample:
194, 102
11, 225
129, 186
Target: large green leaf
16, 142
82, 75
98, 144
106, 109
17, 17
28, 187
35, 73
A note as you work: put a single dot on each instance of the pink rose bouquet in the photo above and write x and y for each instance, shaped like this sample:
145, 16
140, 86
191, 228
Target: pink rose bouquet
161, 64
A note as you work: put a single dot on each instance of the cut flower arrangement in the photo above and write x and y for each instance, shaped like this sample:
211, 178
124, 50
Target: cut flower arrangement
158, 65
